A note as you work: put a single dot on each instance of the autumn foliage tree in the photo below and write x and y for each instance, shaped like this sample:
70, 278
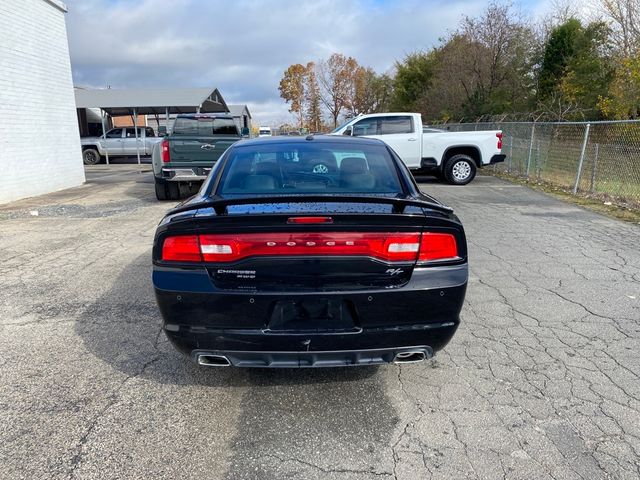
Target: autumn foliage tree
496, 64
336, 76
292, 90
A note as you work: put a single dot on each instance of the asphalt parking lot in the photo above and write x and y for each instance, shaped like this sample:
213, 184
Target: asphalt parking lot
541, 380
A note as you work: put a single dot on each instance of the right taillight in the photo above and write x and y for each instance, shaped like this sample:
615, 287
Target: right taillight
164, 149
499, 135
437, 246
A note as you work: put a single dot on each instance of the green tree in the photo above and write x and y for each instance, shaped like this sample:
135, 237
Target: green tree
623, 98
313, 108
576, 70
413, 78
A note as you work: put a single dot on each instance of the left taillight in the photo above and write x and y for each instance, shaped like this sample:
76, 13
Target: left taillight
499, 135
182, 248
164, 149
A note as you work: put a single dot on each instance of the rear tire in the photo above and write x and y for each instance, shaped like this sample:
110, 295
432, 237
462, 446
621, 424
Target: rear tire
460, 169
91, 156
173, 190
161, 190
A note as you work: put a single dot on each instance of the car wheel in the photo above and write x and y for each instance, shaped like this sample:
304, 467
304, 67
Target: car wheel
161, 191
90, 156
460, 169
173, 190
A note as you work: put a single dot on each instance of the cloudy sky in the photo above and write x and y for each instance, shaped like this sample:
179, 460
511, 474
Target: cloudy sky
243, 47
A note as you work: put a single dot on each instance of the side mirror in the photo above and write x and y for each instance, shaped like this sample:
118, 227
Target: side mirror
245, 131
162, 131
348, 131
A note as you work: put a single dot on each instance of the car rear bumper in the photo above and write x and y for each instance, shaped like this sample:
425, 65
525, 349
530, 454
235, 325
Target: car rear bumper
239, 325
185, 174
314, 359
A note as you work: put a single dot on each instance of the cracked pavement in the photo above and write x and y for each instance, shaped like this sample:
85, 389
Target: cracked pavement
540, 381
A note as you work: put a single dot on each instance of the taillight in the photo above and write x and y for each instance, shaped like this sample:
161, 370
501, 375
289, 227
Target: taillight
164, 149
499, 135
390, 247
437, 246
183, 248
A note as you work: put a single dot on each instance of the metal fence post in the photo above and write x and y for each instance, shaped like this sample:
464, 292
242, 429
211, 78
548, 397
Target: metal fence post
584, 147
533, 130
510, 153
593, 169
538, 160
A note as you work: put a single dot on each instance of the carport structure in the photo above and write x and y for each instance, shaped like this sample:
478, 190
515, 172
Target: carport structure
141, 101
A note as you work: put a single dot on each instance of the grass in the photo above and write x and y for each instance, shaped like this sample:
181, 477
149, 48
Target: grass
600, 203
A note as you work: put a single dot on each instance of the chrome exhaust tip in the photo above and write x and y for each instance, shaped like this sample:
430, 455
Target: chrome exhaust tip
213, 361
410, 357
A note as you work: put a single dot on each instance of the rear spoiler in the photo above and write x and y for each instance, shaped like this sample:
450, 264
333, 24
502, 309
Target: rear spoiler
220, 204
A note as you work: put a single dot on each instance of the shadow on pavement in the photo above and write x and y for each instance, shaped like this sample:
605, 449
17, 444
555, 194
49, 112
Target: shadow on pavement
427, 179
122, 328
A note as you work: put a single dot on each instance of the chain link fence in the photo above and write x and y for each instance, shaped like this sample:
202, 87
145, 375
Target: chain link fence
598, 158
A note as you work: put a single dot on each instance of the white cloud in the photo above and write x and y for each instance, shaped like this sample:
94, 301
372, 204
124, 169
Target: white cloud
243, 47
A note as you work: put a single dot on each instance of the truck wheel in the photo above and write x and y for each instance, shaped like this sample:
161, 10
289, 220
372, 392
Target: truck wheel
460, 169
173, 190
161, 191
90, 156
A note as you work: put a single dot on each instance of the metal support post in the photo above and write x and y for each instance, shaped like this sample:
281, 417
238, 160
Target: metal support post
533, 130
510, 154
584, 147
104, 135
135, 129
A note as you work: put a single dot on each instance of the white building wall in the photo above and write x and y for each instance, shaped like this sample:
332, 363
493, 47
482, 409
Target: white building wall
39, 137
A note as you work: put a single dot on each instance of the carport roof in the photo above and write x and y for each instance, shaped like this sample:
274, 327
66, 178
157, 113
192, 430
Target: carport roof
237, 110
119, 102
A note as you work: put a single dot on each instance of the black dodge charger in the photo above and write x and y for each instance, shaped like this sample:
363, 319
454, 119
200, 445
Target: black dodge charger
313, 251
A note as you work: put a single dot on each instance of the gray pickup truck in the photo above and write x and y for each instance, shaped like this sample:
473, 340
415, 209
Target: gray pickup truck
184, 158
118, 142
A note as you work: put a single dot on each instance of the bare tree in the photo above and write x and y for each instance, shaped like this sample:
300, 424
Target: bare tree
336, 76
624, 18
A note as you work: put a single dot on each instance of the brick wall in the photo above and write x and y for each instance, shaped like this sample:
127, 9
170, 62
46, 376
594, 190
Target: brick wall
39, 138
128, 121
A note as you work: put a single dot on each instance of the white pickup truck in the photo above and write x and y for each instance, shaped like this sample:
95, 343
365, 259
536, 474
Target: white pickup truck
454, 156
118, 142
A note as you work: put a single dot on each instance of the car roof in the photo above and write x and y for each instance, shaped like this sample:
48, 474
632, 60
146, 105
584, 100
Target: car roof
308, 139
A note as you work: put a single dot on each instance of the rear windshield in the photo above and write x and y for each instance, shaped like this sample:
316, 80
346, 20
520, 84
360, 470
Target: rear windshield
264, 132
204, 126
309, 168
